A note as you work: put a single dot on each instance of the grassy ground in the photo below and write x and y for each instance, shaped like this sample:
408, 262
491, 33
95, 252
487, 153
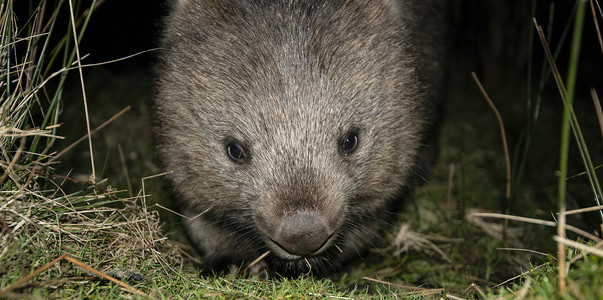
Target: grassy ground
113, 222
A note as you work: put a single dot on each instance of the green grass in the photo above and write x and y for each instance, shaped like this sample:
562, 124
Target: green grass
49, 207
584, 281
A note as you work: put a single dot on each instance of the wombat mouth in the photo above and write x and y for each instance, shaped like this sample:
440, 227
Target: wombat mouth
283, 253
299, 234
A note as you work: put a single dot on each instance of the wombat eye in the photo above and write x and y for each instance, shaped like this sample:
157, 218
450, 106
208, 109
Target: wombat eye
236, 152
349, 142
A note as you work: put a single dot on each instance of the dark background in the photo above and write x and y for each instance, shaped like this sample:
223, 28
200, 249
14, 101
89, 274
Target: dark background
488, 36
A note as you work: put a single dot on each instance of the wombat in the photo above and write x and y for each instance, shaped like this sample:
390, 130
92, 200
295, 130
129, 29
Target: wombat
293, 126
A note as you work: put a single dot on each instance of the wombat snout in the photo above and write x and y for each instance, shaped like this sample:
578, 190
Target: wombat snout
302, 233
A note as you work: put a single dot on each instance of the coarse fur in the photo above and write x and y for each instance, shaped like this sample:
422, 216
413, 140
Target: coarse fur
294, 125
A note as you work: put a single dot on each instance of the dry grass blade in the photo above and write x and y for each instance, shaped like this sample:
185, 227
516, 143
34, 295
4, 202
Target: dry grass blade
414, 290
253, 263
583, 247
583, 210
534, 221
582, 173
82, 265
522, 274
477, 289
115, 60
523, 250
561, 255
514, 218
117, 115
407, 239
453, 297
16, 132
144, 193
181, 215
8, 169
580, 256
103, 275
503, 135
596, 21
31, 275
79, 63
329, 296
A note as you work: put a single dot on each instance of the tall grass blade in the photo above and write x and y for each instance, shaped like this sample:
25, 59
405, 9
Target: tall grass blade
572, 120
522, 149
51, 116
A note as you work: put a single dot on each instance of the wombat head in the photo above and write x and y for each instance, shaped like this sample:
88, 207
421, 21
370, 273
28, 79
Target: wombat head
295, 124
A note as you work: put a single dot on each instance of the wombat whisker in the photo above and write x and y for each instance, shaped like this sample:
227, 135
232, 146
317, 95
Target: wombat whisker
419, 179
357, 232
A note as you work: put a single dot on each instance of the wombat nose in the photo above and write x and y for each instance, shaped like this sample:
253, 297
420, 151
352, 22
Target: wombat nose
302, 233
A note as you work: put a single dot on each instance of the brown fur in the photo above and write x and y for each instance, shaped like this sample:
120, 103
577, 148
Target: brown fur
288, 82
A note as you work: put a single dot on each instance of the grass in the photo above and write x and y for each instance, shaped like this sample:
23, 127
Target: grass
67, 229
